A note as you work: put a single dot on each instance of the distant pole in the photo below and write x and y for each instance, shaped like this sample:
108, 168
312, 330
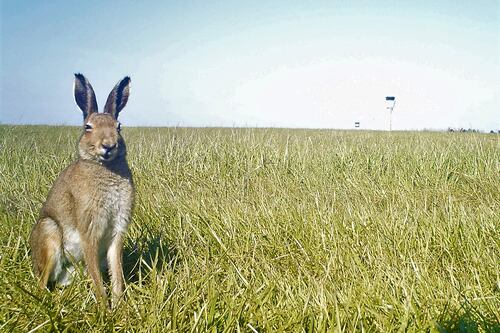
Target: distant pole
390, 120
390, 101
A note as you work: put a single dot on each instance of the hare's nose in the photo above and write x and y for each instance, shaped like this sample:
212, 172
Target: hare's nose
109, 147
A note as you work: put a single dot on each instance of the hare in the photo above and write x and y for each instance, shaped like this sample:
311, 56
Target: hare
87, 211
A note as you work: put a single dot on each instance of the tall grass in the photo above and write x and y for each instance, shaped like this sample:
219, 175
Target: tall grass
273, 230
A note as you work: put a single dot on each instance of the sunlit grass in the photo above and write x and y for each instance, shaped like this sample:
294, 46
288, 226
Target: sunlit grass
273, 230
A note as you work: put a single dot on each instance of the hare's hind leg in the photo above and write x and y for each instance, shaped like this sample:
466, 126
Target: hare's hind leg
46, 247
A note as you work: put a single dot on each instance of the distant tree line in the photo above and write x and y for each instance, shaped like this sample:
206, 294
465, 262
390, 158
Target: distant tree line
469, 130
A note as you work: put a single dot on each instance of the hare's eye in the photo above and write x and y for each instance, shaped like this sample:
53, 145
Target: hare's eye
88, 127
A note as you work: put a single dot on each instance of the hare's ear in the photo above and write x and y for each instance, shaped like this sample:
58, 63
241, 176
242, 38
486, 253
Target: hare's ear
84, 95
118, 97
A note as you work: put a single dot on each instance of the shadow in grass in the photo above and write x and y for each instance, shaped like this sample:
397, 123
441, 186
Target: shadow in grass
467, 320
146, 255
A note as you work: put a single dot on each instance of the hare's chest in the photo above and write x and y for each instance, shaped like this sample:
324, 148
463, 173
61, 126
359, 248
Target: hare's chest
113, 207
116, 205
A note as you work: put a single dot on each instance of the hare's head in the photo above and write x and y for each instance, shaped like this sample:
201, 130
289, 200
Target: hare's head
101, 140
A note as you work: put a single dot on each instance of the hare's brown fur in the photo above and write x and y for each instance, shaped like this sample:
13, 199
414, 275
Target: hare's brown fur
87, 211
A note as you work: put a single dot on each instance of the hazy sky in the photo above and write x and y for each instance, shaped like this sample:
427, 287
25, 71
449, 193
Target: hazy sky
252, 63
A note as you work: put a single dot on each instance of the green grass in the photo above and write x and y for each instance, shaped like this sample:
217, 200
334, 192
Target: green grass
273, 230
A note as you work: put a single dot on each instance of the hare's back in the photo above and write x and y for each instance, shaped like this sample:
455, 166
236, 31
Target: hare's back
60, 202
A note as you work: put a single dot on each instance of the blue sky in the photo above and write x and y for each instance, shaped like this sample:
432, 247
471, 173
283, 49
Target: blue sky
286, 63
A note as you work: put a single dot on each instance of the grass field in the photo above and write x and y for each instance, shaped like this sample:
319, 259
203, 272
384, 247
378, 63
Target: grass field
264, 230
